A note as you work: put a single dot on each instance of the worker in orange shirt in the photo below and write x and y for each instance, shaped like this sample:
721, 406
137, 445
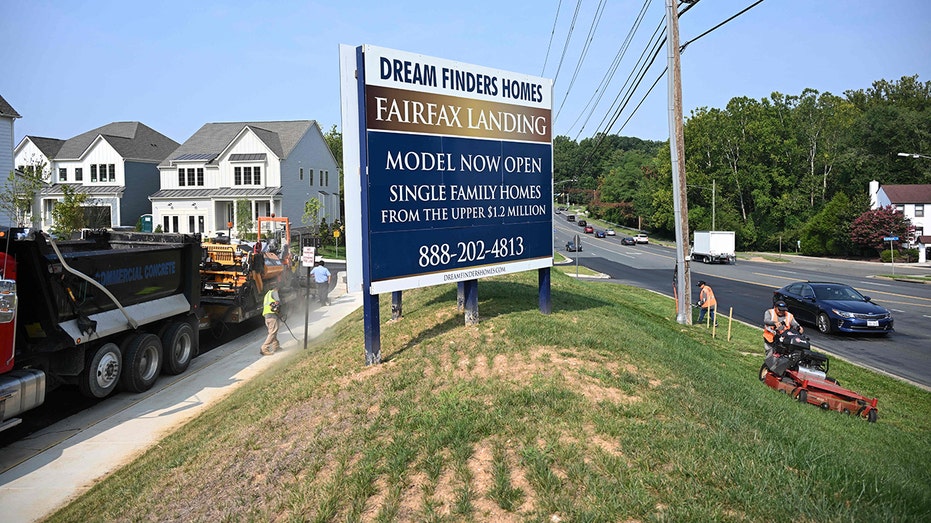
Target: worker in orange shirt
707, 302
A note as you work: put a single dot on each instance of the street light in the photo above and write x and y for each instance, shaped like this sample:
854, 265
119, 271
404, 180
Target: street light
914, 155
567, 192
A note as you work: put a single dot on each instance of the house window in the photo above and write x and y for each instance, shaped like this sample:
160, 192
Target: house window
247, 175
190, 176
328, 178
181, 177
174, 223
190, 224
112, 172
237, 175
257, 171
311, 177
919, 210
93, 172
900, 208
302, 173
63, 174
321, 178
230, 213
200, 223
79, 174
165, 223
200, 178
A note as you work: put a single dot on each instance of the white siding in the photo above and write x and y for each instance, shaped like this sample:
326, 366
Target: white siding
28, 154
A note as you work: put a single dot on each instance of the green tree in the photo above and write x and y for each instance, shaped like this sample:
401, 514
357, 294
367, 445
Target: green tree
828, 231
334, 140
68, 214
19, 193
244, 223
311, 211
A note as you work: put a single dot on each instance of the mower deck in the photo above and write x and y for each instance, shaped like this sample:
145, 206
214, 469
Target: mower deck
824, 392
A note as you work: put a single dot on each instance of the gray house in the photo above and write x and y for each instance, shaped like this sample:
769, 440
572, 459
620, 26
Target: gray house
7, 116
116, 165
273, 166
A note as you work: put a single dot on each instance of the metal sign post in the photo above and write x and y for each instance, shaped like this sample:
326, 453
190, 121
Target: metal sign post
891, 239
308, 254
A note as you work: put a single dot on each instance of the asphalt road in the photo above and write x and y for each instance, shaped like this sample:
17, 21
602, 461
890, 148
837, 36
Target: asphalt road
747, 288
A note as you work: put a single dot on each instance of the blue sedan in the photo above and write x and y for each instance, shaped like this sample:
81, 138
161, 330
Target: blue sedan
834, 307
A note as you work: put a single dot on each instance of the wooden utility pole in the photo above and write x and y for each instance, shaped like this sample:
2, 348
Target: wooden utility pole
677, 153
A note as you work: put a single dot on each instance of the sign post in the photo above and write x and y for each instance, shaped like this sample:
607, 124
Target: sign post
308, 254
891, 239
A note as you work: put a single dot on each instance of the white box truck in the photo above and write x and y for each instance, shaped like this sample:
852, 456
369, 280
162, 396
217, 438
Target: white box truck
714, 247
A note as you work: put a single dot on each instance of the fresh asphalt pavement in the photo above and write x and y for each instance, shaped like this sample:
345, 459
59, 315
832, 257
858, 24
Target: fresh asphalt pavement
53, 466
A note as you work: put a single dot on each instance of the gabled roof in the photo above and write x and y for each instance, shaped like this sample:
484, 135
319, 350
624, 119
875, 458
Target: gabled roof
132, 140
7, 110
48, 146
214, 138
918, 193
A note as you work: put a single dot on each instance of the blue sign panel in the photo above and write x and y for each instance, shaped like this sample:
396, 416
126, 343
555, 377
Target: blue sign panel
891, 239
459, 170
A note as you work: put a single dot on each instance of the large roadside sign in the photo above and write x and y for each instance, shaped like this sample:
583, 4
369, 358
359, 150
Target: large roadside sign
457, 167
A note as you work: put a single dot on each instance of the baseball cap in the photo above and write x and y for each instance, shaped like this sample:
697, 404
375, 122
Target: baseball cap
781, 305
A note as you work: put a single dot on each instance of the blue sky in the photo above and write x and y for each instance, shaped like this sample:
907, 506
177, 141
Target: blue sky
75, 65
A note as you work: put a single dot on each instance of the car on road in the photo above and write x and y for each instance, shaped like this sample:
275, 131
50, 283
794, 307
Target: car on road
610, 232
589, 229
582, 223
570, 247
627, 240
642, 238
570, 218
834, 307
599, 233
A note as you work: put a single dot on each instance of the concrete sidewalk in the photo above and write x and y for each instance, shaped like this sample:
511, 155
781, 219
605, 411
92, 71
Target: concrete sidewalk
55, 465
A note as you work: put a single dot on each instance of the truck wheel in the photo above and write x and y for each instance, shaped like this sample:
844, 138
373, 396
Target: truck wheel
142, 362
179, 344
102, 371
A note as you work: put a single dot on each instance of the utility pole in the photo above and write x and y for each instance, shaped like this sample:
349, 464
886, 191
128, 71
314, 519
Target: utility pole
677, 153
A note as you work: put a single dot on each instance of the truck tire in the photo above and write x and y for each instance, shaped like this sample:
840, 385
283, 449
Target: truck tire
179, 345
102, 371
142, 362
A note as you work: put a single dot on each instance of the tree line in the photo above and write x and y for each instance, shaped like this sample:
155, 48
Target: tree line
778, 170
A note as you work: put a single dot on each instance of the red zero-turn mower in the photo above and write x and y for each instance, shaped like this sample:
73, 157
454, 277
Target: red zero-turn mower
797, 371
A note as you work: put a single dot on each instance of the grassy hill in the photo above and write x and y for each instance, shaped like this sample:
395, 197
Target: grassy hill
605, 410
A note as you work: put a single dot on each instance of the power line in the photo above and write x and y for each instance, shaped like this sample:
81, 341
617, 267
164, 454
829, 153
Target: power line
575, 16
588, 42
758, 2
552, 34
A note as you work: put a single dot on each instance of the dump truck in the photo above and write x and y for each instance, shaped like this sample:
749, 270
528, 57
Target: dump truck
234, 277
714, 247
108, 311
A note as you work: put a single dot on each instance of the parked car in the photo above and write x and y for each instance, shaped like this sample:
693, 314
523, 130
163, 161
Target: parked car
610, 232
834, 307
570, 247
642, 238
589, 229
599, 233
582, 223
627, 240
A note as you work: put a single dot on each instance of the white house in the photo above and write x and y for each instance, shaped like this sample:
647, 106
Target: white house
914, 201
7, 116
116, 165
275, 166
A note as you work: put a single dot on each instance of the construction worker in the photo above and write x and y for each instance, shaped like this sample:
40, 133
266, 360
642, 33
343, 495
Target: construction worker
706, 301
776, 321
322, 281
270, 308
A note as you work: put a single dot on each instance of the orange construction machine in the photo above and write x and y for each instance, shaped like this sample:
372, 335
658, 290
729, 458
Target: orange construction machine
234, 277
